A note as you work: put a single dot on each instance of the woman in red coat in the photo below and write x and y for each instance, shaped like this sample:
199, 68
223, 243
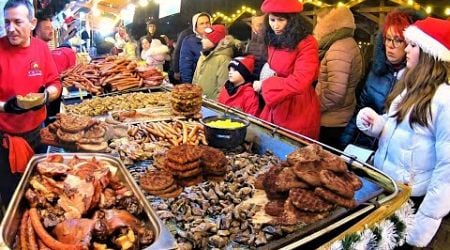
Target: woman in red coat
290, 99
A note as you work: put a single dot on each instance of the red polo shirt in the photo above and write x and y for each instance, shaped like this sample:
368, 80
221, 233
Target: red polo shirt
64, 58
25, 70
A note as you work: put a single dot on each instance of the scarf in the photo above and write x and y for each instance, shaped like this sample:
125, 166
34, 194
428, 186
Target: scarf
328, 40
231, 89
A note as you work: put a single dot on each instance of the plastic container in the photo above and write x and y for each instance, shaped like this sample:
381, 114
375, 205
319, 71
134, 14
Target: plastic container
225, 137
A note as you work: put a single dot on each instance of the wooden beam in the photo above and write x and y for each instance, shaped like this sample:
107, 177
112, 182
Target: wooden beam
365, 29
382, 16
353, 3
309, 13
375, 9
309, 19
371, 17
405, 3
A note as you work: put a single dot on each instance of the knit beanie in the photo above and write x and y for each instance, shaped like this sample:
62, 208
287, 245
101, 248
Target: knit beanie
244, 65
432, 35
216, 33
281, 6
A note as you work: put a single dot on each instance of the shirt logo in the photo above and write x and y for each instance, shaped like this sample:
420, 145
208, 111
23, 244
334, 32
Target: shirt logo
34, 70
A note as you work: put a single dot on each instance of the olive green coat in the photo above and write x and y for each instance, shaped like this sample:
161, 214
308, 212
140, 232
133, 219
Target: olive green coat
212, 70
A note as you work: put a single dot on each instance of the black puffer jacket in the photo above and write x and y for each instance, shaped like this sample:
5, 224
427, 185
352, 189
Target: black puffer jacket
381, 80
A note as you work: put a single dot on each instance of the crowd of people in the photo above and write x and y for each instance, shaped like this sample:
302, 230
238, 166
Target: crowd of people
290, 74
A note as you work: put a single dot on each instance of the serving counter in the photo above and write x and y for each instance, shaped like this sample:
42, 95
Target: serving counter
262, 138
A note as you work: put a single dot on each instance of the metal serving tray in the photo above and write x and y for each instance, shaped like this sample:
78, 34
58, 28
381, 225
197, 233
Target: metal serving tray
270, 137
10, 224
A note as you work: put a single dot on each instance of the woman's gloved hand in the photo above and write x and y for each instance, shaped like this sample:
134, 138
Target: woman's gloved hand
369, 122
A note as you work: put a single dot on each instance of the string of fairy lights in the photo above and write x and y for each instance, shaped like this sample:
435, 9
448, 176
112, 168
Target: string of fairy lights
227, 19
428, 8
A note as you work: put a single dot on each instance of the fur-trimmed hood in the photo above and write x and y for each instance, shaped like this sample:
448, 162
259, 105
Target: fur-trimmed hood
336, 19
195, 19
227, 42
380, 65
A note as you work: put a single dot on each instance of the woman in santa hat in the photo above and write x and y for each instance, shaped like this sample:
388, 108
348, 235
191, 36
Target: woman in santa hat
290, 99
414, 136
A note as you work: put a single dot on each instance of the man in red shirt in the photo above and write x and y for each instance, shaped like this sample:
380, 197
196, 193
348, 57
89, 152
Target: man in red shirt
26, 66
63, 56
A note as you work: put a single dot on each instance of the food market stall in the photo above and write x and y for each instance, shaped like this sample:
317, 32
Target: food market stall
212, 199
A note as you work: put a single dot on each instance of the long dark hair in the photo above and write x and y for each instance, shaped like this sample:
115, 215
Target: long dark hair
297, 29
421, 83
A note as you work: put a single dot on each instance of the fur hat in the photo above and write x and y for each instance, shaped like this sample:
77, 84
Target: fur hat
244, 65
281, 6
432, 35
216, 33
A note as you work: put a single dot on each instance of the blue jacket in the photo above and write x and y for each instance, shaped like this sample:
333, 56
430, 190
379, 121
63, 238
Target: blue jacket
189, 55
379, 83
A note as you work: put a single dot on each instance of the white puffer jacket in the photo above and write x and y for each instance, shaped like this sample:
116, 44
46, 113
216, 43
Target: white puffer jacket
420, 158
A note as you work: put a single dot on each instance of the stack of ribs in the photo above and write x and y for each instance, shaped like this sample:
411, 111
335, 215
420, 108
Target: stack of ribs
75, 132
184, 165
308, 186
186, 100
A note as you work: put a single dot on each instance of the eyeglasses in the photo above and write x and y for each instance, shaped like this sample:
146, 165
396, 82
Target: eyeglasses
396, 42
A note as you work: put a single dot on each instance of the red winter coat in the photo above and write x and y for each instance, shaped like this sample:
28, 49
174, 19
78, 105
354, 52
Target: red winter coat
245, 99
291, 101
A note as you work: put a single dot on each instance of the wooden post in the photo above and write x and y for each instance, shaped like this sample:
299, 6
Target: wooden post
382, 16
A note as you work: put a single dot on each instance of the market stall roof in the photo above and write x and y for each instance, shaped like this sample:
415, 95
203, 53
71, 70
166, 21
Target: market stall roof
108, 6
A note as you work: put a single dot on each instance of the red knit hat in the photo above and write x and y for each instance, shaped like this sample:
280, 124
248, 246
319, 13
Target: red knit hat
432, 35
244, 65
281, 6
216, 33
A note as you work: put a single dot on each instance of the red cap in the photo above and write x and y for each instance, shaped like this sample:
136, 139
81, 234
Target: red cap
281, 6
216, 33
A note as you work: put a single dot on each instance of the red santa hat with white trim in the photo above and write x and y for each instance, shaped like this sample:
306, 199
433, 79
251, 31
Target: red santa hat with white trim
432, 35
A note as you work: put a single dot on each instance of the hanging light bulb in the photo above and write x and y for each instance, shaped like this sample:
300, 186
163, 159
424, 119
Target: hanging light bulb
447, 11
410, 2
429, 9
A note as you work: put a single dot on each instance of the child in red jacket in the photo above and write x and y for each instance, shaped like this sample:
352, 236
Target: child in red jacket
238, 92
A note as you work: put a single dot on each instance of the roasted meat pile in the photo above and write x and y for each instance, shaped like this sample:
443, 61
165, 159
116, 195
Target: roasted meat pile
81, 204
186, 100
76, 132
308, 186
184, 165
